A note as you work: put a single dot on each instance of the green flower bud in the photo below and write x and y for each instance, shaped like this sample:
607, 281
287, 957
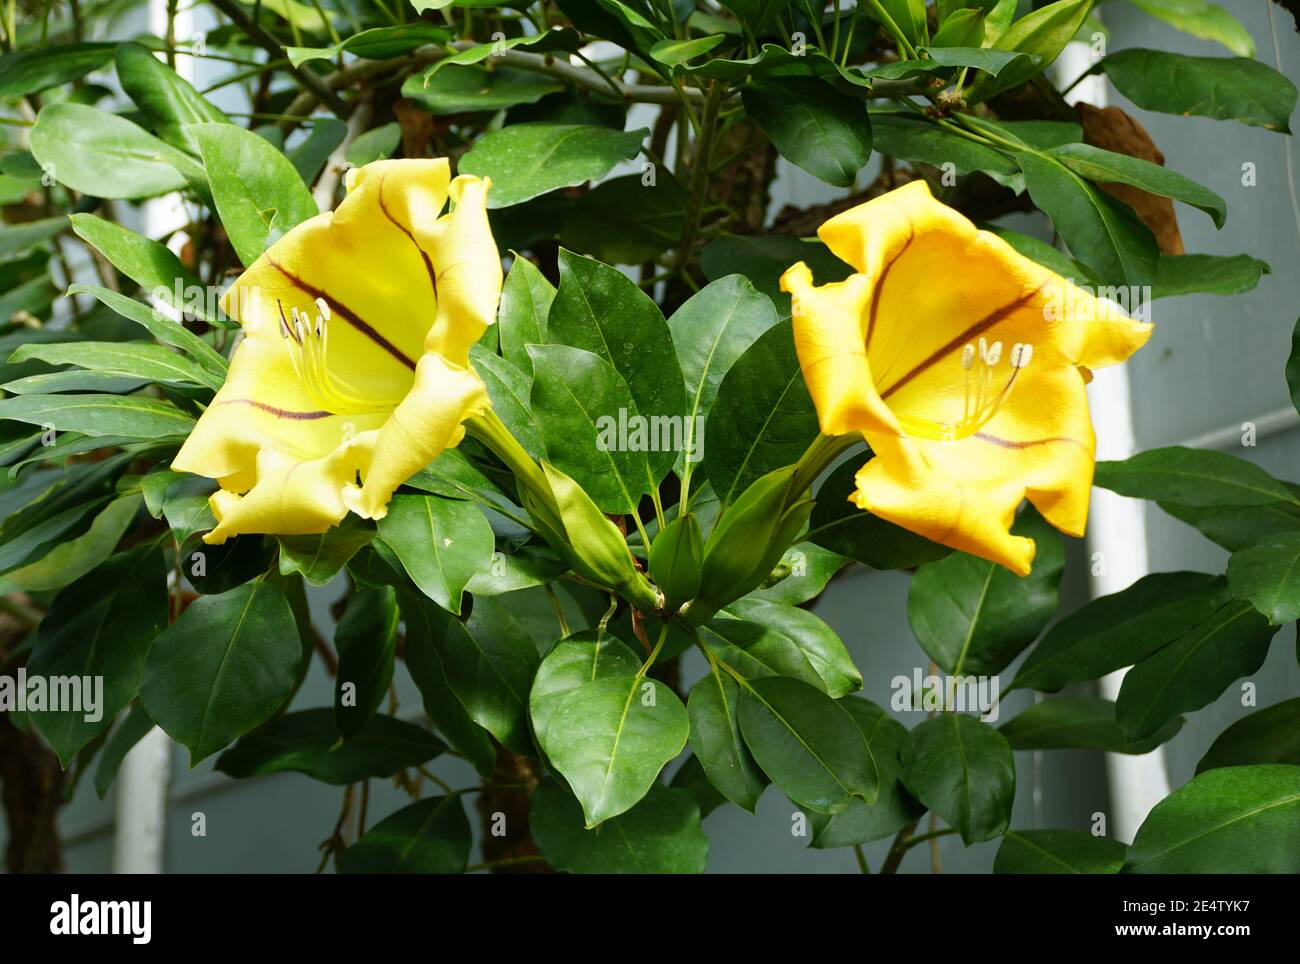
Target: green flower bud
675, 559
586, 539
748, 541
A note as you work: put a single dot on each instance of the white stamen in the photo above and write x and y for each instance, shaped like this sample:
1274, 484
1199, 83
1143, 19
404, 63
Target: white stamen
324, 308
992, 354
968, 357
1021, 354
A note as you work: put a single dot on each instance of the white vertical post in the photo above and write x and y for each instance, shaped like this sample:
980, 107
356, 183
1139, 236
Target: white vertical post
1117, 533
140, 820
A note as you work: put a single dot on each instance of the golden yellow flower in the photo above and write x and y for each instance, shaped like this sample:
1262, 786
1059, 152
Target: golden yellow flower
963, 364
353, 372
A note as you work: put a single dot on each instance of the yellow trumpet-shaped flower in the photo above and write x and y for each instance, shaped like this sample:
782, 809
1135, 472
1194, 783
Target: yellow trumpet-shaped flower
353, 372
963, 364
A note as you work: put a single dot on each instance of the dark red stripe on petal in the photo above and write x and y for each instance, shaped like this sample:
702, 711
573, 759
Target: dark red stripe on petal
974, 331
1009, 444
428, 262
879, 286
344, 312
278, 412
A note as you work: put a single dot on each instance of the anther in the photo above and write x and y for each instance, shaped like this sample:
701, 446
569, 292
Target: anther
968, 357
324, 308
1021, 353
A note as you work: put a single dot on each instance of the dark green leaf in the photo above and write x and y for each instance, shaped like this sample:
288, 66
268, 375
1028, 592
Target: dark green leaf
320, 558
526, 160
819, 643
762, 418
1057, 852
972, 616
1192, 477
764, 259
526, 299
813, 125
715, 738
1268, 575
1226, 88
1270, 735
223, 668
32, 71
258, 193
1101, 232
964, 771
96, 635
807, 744
421, 620
308, 742
1233, 820
610, 737
576, 659
92, 414
626, 221
428, 837
133, 728
1187, 274
461, 89
1194, 669
661, 835
1115, 631
1078, 722
169, 102
894, 808
366, 641
442, 543
1104, 167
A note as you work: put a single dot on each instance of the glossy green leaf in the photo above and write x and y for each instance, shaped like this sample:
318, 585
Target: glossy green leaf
1237, 527
809, 568
32, 71
223, 668
526, 160
509, 387
1057, 852
164, 329
754, 650
308, 742
894, 808
813, 125
319, 558
169, 102
1270, 735
69, 560
1101, 232
1226, 88
626, 221
820, 645
764, 259
715, 737
1043, 33
148, 263
377, 43
599, 309
964, 771
673, 52
913, 139
1233, 820
366, 641
762, 418
1104, 167
710, 332
1118, 630
489, 662
442, 544
577, 398
105, 155
576, 659
526, 299
431, 836
807, 743
1268, 575
1078, 722
133, 728
1192, 477
972, 616
1194, 669
461, 89
258, 193
610, 737
660, 835
92, 414
152, 363
421, 620
324, 135
1187, 274
99, 627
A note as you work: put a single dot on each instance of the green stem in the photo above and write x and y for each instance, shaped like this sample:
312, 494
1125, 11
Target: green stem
824, 450
559, 610
862, 859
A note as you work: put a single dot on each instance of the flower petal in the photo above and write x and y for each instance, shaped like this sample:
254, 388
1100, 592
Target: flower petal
290, 497
427, 421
